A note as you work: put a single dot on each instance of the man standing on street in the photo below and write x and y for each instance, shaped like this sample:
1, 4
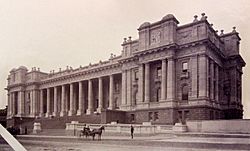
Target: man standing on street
132, 131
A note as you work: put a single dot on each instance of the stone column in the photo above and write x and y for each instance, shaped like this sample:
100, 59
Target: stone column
48, 113
41, 104
216, 83
66, 101
71, 100
80, 99
14, 104
147, 82
124, 87
31, 103
202, 76
55, 112
194, 76
111, 92
9, 109
129, 87
34, 102
171, 80
211, 80
100, 96
10, 105
141, 83
63, 113
163, 79
90, 98
21, 103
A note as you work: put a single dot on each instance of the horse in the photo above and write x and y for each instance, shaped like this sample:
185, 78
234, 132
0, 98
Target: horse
98, 132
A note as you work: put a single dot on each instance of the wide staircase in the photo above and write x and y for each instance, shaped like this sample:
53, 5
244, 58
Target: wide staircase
60, 122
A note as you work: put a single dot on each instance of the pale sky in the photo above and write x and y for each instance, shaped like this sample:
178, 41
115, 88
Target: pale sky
52, 34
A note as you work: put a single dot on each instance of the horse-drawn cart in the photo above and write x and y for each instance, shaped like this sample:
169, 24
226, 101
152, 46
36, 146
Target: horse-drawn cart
87, 132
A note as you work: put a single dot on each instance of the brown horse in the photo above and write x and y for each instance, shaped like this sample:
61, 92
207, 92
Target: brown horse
98, 132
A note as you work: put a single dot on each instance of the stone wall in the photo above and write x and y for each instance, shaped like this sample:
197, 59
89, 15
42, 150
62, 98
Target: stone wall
108, 116
165, 116
219, 126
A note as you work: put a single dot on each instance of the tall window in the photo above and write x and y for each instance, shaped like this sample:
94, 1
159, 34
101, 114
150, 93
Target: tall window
117, 87
158, 94
156, 116
158, 72
136, 75
184, 66
150, 116
132, 117
185, 92
116, 103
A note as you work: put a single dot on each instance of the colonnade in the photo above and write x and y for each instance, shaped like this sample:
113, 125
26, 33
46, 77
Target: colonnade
57, 98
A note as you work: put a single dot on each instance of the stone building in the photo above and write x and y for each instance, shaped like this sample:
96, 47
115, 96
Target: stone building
171, 72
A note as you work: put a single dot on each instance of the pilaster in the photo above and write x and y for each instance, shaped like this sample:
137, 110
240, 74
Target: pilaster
20, 103
202, 76
171, 80
147, 82
163, 79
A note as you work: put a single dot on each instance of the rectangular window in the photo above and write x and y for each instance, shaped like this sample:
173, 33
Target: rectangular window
136, 75
156, 116
29, 96
117, 87
158, 94
132, 117
184, 66
158, 71
150, 116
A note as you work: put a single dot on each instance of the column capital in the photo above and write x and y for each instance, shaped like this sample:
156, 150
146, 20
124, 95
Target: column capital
164, 60
147, 82
163, 79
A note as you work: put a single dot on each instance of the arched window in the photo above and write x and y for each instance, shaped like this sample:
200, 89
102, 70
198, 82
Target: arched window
185, 92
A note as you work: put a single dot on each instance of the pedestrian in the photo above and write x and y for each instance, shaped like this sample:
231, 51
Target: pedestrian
132, 131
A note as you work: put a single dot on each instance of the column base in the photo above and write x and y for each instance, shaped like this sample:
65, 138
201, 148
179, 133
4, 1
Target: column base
47, 114
33, 115
79, 112
20, 115
89, 111
55, 113
111, 108
99, 110
41, 114
63, 113
71, 112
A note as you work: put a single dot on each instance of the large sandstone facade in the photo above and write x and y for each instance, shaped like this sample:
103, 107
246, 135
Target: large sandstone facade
171, 72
